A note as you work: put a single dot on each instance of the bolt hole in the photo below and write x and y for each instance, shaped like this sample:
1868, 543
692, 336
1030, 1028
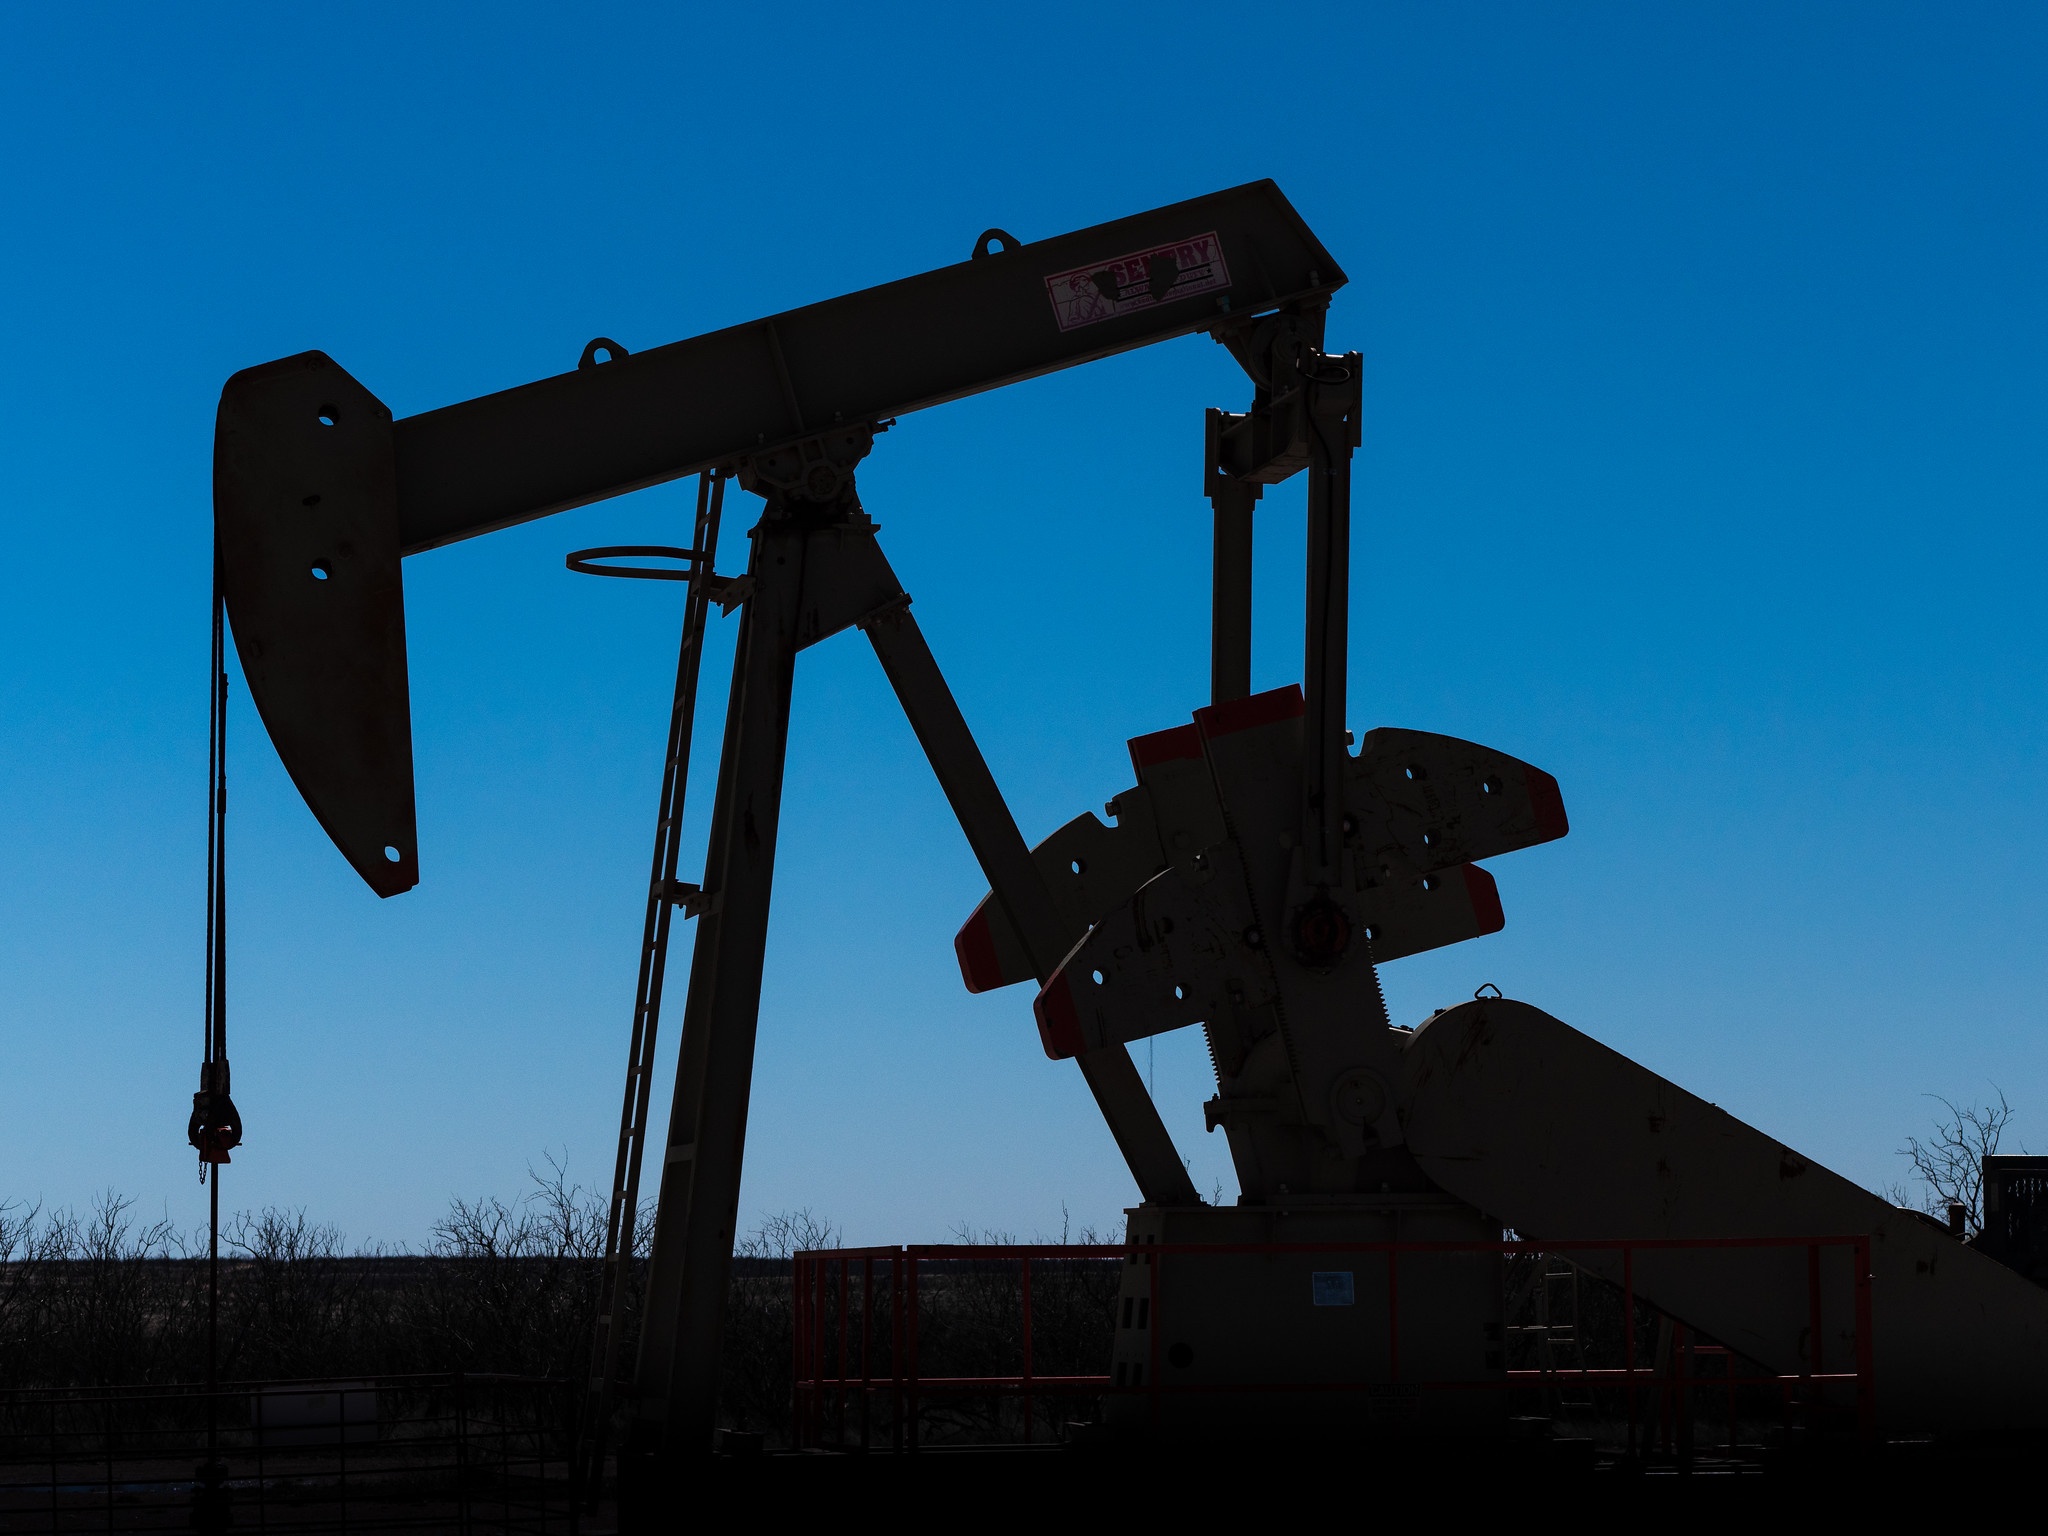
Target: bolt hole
327, 415
1097, 975
321, 570
391, 854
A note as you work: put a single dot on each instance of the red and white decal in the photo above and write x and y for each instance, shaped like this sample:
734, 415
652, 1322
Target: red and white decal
1102, 291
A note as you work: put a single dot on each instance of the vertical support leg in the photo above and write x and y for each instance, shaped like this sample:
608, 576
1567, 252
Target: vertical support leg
677, 1375
1332, 388
1230, 602
616, 1278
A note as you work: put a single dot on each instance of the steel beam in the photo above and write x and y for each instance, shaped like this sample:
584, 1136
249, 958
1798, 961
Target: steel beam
995, 319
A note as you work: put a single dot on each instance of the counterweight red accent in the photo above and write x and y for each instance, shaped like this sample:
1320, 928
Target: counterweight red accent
1059, 1021
1243, 714
975, 947
1547, 801
1485, 897
1182, 741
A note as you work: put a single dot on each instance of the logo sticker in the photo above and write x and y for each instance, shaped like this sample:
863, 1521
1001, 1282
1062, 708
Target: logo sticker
1089, 295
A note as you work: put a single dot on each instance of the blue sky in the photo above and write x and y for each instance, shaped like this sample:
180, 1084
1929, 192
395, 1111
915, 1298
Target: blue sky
1703, 466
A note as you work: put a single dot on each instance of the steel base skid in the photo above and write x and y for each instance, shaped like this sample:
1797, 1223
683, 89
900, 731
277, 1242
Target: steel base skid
1308, 1321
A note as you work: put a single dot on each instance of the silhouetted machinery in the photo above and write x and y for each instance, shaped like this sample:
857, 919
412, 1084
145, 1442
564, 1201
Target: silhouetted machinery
1248, 884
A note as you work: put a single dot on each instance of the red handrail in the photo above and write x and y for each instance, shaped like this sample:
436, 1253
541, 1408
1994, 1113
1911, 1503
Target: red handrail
811, 1383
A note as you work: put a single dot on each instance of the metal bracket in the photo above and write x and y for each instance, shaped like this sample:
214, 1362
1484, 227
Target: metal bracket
693, 899
728, 591
816, 469
882, 610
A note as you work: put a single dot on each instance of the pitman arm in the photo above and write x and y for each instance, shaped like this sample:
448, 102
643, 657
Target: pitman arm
1021, 891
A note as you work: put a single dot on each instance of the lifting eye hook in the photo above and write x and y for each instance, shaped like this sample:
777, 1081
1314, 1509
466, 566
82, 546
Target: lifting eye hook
982, 246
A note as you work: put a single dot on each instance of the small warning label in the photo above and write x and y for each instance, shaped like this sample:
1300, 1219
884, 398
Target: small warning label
1091, 294
1333, 1288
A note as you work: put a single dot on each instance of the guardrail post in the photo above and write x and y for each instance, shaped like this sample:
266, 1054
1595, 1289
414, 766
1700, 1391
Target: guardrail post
839, 1390
910, 1271
896, 1352
796, 1351
1628, 1337
1814, 1358
867, 1344
1866, 1380
814, 1350
1026, 1273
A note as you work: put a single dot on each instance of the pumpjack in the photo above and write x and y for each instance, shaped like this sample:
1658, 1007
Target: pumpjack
1249, 884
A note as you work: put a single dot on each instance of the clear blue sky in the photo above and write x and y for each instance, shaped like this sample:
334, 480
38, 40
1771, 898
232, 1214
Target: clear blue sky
1703, 466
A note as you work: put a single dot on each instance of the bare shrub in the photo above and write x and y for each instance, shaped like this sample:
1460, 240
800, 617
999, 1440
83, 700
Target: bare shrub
104, 1296
515, 1287
1949, 1165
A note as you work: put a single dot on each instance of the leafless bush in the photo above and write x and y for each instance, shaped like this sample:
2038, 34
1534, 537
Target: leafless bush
516, 1283
1949, 1165
503, 1286
101, 1297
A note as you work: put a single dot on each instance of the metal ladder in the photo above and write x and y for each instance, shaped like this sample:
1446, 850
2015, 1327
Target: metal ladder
1569, 1403
664, 894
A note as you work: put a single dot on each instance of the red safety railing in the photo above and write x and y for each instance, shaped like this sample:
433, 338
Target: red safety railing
825, 1281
